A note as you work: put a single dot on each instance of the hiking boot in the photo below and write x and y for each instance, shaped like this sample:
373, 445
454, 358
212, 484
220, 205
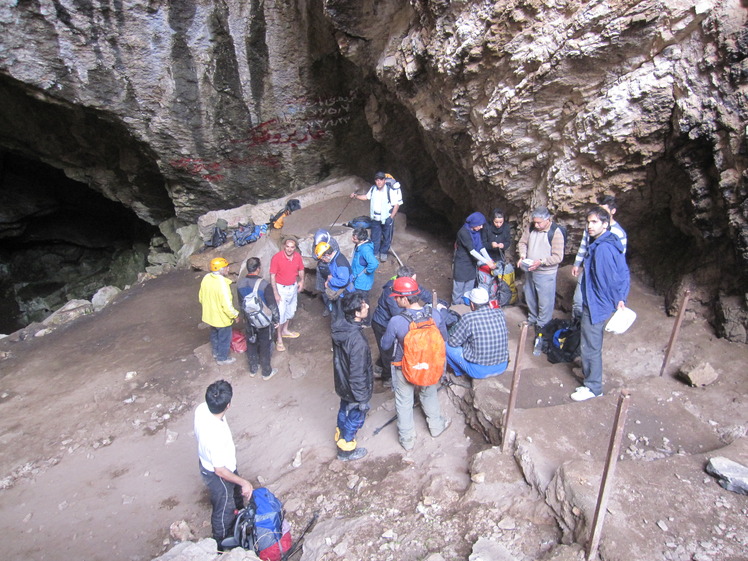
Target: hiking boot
350, 455
230, 360
377, 370
383, 258
273, 372
447, 424
583, 393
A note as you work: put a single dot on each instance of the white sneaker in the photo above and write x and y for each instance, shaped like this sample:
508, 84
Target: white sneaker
582, 393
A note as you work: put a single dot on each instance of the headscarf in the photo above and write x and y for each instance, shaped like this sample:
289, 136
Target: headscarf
475, 219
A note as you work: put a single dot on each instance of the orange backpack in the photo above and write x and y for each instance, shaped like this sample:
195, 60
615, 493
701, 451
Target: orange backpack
424, 352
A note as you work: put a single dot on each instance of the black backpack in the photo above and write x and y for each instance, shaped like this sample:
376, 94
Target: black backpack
555, 226
561, 340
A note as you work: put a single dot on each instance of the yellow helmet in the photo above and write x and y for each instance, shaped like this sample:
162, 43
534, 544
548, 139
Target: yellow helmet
320, 249
218, 263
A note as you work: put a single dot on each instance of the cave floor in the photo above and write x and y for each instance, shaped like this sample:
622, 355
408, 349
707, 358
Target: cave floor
98, 456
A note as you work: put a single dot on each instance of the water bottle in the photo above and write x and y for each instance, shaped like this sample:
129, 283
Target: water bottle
538, 348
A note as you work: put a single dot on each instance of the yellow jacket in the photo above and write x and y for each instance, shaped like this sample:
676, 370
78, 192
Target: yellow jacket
217, 300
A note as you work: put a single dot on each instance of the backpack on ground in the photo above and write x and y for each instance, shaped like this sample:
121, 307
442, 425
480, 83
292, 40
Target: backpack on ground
424, 351
359, 222
262, 527
258, 314
248, 234
561, 340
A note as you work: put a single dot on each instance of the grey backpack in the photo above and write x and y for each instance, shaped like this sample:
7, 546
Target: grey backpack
257, 312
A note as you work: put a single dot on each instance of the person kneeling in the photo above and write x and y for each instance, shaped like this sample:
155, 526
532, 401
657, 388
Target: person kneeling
479, 343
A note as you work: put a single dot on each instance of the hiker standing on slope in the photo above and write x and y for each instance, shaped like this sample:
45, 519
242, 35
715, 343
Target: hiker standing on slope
259, 339
353, 372
407, 295
543, 244
608, 202
385, 200
287, 279
217, 453
605, 288
218, 309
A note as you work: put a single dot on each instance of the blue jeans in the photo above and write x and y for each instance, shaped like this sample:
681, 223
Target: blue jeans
592, 352
220, 342
381, 236
225, 497
350, 420
540, 295
461, 366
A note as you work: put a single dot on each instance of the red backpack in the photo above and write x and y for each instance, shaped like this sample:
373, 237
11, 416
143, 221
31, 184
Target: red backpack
424, 352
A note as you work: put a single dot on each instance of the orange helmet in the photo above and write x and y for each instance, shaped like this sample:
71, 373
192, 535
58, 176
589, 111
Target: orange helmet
405, 286
218, 263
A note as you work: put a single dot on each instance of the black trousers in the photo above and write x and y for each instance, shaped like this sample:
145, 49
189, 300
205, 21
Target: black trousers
260, 352
385, 356
226, 498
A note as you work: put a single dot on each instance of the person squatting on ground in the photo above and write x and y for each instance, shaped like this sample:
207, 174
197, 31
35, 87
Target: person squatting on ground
479, 343
338, 279
217, 454
323, 271
540, 276
363, 261
605, 288
218, 309
407, 295
469, 251
353, 373
287, 280
387, 308
608, 202
259, 339
384, 202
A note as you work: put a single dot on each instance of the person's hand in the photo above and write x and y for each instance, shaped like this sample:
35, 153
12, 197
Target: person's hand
492, 265
534, 266
353, 195
247, 489
364, 407
621, 305
494, 244
299, 288
575, 271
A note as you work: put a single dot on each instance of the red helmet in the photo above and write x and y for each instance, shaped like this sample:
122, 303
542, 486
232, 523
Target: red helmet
405, 286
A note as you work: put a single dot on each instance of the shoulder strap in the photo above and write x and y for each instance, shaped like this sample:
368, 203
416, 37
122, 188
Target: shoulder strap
552, 232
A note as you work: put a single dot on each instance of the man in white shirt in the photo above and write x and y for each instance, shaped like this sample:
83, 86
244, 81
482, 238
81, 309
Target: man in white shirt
217, 453
384, 199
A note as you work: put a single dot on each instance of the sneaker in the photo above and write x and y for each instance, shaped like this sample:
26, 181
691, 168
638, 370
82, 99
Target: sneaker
383, 258
387, 383
408, 444
377, 370
326, 312
231, 360
582, 393
355, 454
273, 372
447, 424
252, 372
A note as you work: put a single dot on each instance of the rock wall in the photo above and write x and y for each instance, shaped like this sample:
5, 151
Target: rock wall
177, 108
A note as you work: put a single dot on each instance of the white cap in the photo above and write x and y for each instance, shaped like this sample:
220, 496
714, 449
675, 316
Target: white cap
478, 295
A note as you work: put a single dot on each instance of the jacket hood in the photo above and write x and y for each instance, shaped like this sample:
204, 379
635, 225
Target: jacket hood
342, 328
610, 238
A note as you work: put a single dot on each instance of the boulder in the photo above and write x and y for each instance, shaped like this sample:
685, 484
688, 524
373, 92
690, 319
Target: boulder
103, 296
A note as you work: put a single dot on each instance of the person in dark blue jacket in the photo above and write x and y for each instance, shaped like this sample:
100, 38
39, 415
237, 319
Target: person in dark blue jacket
339, 274
605, 288
387, 308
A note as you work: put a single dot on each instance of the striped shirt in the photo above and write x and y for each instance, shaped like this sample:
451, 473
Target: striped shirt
615, 228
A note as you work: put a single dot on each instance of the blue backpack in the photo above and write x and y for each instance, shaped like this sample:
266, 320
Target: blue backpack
261, 527
248, 234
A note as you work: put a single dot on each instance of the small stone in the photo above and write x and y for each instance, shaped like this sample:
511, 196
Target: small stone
478, 477
27, 518
171, 436
730, 475
127, 499
507, 523
130, 375
700, 375
661, 524
389, 535
297, 459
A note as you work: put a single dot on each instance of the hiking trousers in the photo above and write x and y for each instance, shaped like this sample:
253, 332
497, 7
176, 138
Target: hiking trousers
220, 342
404, 399
260, 352
592, 352
350, 420
385, 355
226, 499
540, 296
381, 236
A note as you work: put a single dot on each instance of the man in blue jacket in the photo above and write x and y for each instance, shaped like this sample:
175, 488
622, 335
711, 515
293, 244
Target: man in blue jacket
605, 288
338, 280
363, 262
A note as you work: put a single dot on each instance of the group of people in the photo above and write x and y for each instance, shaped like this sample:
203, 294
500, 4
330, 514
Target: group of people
475, 344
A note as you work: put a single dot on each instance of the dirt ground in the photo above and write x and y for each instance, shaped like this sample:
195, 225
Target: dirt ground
98, 456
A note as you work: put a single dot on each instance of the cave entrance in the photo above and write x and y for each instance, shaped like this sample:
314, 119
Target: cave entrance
60, 240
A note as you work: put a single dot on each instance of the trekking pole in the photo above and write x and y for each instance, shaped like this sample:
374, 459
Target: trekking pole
676, 330
394, 417
515, 385
295, 547
608, 472
341, 213
392, 249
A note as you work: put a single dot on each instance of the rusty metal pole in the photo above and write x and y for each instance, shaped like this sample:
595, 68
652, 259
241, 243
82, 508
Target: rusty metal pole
610, 468
515, 384
676, 330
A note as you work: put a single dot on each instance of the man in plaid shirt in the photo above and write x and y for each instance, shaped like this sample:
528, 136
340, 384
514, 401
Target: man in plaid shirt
479, 344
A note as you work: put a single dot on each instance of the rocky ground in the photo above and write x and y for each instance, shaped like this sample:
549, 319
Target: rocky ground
98, 459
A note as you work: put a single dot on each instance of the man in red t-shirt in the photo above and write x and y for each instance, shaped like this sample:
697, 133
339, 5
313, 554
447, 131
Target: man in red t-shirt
287, 280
